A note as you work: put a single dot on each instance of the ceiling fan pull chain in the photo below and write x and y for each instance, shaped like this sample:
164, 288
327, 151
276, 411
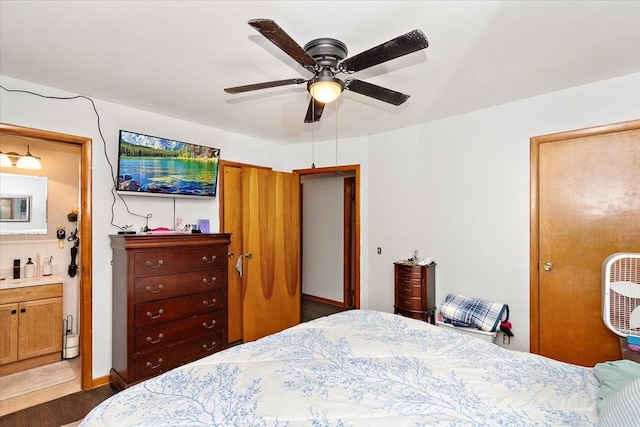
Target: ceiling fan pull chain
336, 101
313, 136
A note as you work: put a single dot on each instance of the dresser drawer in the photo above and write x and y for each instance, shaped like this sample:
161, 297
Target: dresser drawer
151, 263
150, 364
153, 288
169, 309
159, 336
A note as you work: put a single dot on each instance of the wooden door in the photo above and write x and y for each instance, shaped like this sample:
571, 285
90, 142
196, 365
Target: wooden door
271, 244
40, 327
585, 206
232, 223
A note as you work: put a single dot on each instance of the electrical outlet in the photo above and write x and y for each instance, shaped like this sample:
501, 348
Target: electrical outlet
506, 339
379, 251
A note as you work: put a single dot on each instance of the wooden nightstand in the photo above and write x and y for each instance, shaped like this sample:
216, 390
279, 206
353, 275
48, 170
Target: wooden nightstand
628, 354
415, 290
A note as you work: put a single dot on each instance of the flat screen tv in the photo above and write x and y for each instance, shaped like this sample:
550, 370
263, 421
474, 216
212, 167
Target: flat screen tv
149, 165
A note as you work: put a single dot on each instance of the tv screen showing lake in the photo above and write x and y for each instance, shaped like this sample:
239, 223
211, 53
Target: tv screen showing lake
160, 166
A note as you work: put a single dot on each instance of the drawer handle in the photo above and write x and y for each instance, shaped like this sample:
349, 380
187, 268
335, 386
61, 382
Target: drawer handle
206, 282
213, 302
158, 264
148, 288
407, 302
213, 323
152, 366
152, 341
213, 344
209, 261
407, 290
149, 314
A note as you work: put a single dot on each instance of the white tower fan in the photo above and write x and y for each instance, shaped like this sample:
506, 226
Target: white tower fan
621, 294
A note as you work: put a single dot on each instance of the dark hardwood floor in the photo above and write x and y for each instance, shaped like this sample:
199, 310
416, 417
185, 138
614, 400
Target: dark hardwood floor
64, 410
75, 406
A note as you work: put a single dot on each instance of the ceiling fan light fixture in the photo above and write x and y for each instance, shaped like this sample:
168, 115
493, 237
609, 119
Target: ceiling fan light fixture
325, 89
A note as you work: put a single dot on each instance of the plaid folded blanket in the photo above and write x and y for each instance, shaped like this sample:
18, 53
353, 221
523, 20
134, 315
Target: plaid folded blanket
464, 311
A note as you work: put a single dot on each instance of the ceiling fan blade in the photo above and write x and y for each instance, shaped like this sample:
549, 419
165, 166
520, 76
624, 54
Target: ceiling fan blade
374, 91
402, 45
314, 111
280, 38
265, 85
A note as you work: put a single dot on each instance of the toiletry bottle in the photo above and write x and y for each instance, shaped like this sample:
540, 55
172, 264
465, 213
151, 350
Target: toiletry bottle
29, 269
38, 265
46, 267
16, 268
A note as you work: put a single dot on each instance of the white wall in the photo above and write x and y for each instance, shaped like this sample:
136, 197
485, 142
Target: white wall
77, 117
458, 190
323, 236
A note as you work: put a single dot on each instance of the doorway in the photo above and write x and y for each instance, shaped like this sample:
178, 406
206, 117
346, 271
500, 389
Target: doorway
231, 221
585, 201
350, 274
328, 239
85, 232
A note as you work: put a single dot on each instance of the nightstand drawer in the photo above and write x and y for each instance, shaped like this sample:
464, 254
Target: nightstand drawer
409, 303
408, 290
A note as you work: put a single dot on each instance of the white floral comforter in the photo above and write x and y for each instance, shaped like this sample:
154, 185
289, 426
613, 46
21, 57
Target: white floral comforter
361, 368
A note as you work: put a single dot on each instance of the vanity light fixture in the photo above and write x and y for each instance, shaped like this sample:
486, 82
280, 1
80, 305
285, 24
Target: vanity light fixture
22, 161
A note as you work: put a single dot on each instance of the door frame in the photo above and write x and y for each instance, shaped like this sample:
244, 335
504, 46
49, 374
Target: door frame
355, 170
534, 226
85, 258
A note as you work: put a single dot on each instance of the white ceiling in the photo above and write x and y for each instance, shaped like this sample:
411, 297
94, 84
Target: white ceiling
175, 57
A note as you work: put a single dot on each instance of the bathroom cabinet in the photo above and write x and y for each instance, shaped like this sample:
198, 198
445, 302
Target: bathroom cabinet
30, 327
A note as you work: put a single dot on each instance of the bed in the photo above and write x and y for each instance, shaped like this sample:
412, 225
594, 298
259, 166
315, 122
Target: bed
360, 367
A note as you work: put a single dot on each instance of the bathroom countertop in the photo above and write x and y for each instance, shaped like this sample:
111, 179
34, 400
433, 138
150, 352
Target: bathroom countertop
32, 281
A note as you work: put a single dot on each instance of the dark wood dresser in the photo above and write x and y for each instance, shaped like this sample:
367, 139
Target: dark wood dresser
169, 302
415, 290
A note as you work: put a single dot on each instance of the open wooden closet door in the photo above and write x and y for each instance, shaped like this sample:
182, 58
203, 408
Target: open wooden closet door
261, 209
271, 245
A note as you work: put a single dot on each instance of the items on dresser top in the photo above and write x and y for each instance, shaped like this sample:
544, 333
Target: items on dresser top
169, 302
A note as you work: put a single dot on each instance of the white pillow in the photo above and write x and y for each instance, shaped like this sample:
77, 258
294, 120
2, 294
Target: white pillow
623, 408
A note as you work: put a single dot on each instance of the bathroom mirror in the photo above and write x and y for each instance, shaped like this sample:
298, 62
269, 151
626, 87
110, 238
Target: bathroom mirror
23, 204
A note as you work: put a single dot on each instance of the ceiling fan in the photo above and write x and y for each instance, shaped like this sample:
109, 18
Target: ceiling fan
325, 57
